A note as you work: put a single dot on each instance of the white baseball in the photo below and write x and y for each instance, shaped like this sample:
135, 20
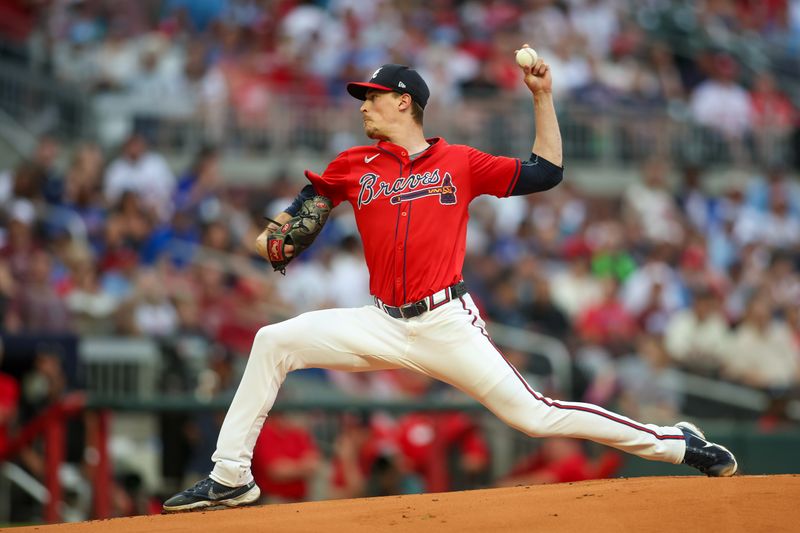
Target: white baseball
526, 57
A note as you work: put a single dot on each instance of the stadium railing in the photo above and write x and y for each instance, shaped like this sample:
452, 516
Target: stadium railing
13, 474
18, 138
118, 366
293, 126
50, 424
614, 135
42, 104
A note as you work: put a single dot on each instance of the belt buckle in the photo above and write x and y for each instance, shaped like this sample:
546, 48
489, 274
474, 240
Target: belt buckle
404, 308
418, 307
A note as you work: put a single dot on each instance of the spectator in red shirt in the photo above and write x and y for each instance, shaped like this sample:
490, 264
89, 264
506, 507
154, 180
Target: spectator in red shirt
9, 400
561, 461
17, 20
367, 460
284, 460
774, 118
446, 448
607, 322
772, 110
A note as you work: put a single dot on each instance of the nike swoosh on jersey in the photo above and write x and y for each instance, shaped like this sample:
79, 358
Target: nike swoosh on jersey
369, 159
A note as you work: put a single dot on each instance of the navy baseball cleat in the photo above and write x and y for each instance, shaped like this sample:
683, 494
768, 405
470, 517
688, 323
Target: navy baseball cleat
208, 493
711, 459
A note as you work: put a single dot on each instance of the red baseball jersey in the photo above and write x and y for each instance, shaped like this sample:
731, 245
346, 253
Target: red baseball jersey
412, 214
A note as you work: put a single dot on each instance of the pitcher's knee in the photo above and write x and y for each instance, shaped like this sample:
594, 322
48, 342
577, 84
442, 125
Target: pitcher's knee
531, 425
269, 341
534, 430
275, 346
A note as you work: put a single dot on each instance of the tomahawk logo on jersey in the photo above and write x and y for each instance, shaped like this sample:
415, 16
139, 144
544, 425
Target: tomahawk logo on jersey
424, 199
446, 192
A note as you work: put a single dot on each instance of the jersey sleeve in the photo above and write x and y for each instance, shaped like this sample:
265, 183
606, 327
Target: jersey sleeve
333, 182
491, 174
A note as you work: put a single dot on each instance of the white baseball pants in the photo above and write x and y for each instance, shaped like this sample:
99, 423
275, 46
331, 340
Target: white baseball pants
448, 343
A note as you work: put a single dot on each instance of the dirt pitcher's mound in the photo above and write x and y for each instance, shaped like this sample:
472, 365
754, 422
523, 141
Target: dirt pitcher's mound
746, 503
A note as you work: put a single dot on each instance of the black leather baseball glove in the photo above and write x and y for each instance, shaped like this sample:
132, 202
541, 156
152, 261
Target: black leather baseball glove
299, 232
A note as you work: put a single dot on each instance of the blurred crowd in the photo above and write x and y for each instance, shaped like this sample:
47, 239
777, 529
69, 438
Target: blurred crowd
728, 66
670, 274
666, 275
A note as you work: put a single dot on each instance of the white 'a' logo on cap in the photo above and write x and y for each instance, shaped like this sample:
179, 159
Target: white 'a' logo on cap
375, 74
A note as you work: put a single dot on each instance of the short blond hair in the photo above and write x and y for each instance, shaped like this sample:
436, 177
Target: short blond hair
417, 113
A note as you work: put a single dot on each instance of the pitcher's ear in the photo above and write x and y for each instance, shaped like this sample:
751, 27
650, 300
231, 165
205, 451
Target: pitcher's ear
405, 101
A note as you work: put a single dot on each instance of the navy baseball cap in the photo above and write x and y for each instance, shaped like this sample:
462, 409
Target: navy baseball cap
391, 77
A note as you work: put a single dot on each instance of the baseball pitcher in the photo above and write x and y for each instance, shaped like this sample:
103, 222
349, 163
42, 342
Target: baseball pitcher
410, 194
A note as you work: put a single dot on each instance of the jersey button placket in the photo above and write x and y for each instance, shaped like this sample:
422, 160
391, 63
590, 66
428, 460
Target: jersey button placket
401, 237
398, 252
398, 258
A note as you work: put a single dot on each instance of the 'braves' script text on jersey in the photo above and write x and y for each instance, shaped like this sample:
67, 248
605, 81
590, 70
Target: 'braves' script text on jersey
407, 189
424, 200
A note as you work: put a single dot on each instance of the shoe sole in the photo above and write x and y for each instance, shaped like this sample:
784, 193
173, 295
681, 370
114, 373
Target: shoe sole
206, 505
728, 472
